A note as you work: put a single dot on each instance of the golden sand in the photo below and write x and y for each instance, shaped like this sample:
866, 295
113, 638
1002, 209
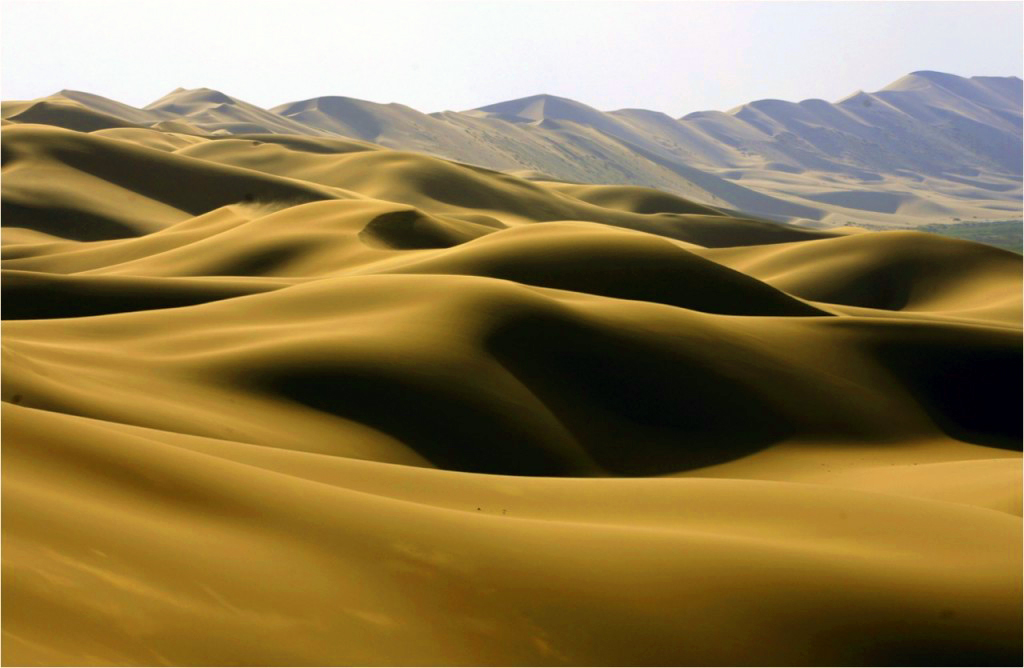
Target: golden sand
281, 400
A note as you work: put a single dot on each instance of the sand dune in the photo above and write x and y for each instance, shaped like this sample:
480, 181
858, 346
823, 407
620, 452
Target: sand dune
65, 114
929, 149
303, 400
895, 271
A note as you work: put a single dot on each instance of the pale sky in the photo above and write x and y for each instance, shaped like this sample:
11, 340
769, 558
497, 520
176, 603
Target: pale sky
675, 57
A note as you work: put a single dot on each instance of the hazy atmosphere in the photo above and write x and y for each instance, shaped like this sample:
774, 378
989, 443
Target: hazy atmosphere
675, 57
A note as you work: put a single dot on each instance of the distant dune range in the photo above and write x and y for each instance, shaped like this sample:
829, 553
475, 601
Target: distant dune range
930, 148
283, 399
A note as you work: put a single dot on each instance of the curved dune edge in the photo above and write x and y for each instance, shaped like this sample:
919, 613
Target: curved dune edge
280, 400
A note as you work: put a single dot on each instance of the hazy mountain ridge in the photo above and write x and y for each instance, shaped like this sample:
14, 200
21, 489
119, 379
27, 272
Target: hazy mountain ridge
914, 124
929, 148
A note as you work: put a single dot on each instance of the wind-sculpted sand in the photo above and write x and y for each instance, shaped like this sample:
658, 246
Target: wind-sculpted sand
283, 400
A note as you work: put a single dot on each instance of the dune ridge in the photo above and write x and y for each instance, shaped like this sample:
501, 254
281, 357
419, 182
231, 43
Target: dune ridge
292, 399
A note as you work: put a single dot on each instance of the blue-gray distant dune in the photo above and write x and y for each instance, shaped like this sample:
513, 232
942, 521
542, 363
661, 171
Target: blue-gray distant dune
929, 148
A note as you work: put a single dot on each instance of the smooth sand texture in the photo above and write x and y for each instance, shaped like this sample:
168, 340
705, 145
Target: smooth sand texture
291, 400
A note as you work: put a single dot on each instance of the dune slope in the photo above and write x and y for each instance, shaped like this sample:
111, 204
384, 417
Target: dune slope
301, 400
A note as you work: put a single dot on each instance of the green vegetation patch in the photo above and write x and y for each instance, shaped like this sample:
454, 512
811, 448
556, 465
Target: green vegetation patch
1005, 234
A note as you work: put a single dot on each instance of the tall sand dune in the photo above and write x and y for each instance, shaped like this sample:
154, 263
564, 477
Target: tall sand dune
283, 399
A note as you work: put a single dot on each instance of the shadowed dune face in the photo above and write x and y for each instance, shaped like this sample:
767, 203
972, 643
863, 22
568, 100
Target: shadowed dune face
953, 388
300, 400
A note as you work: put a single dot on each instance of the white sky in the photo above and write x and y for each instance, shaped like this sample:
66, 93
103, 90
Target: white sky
675, 57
